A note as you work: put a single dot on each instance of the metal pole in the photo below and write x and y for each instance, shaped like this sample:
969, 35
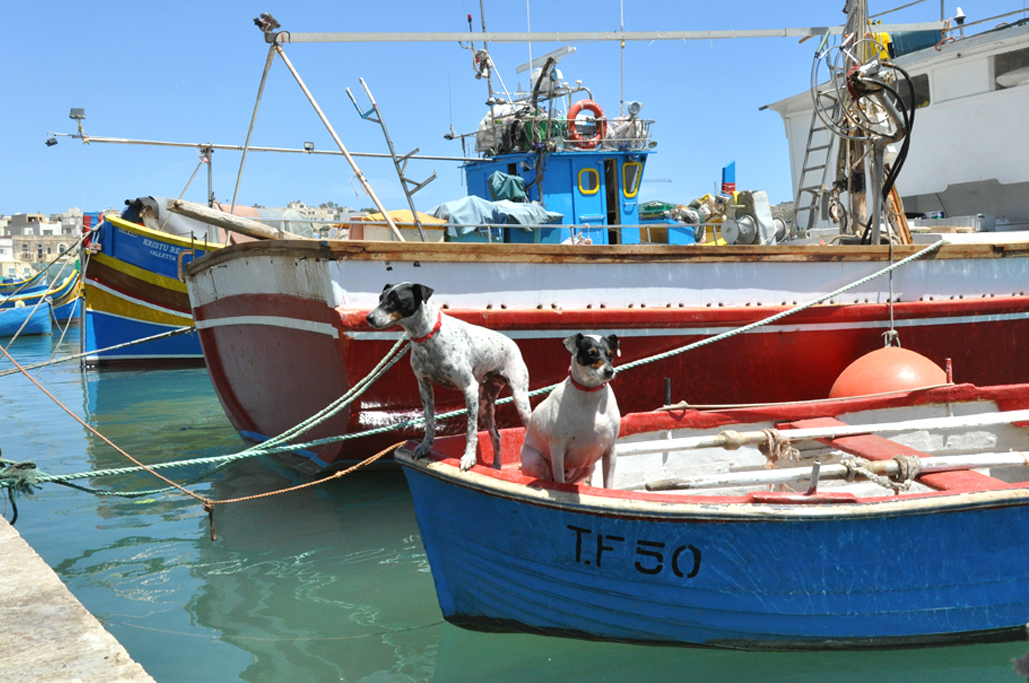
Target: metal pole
250, 131
210, 175
339, 143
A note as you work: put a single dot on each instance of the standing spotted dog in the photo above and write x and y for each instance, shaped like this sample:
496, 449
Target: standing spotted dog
476, 361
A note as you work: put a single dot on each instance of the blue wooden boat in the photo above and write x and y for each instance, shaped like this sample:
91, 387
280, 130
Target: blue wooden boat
25, 320
68, 307
729, 562
56, 291
10, 286
133, 284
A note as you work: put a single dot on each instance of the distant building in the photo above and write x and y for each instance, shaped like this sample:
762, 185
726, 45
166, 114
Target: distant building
314, 213
22, 224
10, 265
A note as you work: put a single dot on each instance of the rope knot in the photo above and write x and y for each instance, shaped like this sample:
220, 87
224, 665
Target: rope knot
20, 477
731, 440
777, 447
909, 467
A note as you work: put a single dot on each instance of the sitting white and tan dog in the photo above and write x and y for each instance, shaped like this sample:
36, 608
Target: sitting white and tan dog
577, 424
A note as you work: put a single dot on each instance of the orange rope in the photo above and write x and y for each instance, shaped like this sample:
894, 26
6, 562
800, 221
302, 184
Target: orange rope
96, 433
207, 502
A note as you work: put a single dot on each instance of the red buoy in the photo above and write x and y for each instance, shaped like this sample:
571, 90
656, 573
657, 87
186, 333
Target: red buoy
885, 370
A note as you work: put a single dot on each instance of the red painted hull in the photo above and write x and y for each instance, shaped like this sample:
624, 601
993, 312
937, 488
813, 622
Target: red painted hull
271, 377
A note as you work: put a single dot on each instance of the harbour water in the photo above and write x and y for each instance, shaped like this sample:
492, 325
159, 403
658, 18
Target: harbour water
327, 584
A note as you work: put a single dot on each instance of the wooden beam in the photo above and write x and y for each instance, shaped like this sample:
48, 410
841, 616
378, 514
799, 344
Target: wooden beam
228, 221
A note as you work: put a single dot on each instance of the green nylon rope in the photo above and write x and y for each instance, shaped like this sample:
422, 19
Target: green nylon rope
273, 445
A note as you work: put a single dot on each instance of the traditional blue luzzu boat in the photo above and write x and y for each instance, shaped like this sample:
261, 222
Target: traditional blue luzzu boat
718, 558
26, 320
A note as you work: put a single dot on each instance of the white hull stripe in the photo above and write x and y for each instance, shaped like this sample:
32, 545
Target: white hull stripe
270, 321
144, 356
710, 331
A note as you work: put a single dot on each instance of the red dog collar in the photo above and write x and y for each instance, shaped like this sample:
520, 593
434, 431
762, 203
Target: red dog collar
581, 387
430, 335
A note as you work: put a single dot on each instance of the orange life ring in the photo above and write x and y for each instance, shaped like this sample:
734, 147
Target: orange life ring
598, 114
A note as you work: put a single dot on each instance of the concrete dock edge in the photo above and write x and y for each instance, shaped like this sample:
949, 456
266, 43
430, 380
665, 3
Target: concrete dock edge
46, 635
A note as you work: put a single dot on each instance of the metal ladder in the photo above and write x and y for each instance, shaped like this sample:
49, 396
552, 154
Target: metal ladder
813, 173
400, 163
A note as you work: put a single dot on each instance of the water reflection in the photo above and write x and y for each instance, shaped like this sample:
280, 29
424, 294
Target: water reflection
467, 656
331, 579
326, 584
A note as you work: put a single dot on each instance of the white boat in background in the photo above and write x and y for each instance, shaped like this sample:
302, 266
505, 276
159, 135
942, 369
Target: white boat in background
969, 159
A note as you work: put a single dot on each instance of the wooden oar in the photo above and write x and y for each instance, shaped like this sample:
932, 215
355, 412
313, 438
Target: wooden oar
732, 440
797, 474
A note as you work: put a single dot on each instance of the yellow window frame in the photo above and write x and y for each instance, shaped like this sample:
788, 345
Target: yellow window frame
625, 180
596, 184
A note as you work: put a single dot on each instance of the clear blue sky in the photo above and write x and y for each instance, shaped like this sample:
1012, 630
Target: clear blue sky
189, 72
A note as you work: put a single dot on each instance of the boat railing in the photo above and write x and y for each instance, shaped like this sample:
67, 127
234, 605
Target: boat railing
510, 133
494, 232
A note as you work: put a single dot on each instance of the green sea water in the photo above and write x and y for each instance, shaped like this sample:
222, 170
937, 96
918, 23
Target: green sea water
326, 584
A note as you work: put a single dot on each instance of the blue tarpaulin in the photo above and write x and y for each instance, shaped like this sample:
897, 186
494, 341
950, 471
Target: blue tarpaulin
464, 214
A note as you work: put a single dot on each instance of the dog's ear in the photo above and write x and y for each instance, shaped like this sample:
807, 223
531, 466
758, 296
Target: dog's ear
572, 343
386, 288
422, 292
612, 341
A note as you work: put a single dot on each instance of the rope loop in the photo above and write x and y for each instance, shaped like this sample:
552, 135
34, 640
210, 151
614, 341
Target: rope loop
777, 447
910, 466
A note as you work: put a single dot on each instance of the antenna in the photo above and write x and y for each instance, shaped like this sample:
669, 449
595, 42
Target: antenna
621, 27
528, 29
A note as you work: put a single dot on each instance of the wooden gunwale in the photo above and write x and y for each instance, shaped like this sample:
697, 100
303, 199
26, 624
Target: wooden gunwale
556, 253
510, 484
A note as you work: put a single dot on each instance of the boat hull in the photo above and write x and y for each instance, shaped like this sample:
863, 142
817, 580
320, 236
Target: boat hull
132, 290
736, 569
897, 579
26, 320
283, 330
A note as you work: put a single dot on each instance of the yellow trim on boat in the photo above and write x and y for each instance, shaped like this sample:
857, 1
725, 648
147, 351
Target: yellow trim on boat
140, 273
102, 301
165, 237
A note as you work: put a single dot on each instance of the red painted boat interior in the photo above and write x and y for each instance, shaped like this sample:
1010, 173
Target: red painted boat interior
448, 449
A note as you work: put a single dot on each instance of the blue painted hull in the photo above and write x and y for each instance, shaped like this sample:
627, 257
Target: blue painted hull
68, 311
741, 576
133, 291
103, 331
38, 320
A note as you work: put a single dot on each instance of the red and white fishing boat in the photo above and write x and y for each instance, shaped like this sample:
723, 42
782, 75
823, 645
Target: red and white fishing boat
283, 331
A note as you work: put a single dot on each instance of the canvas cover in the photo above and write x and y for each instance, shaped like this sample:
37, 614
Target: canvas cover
463, 215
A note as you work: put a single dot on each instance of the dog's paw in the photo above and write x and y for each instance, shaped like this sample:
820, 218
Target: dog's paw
422, 450
467, 461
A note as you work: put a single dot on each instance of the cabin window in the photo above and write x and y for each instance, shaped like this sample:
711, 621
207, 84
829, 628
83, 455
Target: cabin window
589, 181
631, 172
1011, 69
921, 83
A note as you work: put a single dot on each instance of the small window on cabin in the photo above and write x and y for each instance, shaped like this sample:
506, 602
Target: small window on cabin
631, 172
589, 181
1011, 69
921, 83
